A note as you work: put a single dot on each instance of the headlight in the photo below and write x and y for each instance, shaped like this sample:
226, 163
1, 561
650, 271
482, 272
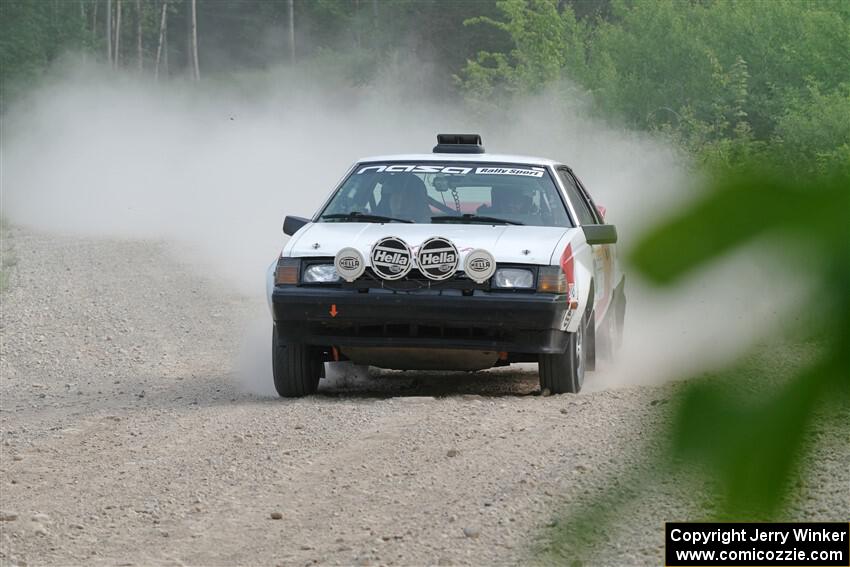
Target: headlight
320, 273
513, 278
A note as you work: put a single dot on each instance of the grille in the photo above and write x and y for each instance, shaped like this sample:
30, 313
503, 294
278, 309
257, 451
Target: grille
405, 330
414, 280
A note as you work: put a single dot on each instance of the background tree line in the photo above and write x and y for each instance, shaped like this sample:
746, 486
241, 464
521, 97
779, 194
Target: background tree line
731, 80
238, 35
727, 79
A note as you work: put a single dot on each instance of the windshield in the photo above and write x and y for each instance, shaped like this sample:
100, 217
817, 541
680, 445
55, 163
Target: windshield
428, 192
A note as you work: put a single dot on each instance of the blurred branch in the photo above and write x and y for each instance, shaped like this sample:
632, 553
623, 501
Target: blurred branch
750, 446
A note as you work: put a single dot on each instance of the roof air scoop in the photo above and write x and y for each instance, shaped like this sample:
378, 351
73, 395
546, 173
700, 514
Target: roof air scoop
458, 144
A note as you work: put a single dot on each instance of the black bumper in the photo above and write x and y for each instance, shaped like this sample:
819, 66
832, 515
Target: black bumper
451, 318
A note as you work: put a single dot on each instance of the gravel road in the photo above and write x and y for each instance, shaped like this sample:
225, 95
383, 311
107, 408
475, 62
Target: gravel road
127, 441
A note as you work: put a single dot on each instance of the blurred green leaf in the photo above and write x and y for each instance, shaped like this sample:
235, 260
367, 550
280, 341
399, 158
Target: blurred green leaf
748, 427
752, 449
738, 209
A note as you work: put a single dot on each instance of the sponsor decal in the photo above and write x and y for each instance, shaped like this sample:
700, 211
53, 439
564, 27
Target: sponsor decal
479, 265
572, 295
451, 170
437, 258
391, 258
527, 172
401, 168
568, 316
349, 264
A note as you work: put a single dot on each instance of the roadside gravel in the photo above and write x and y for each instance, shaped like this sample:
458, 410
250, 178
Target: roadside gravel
126, 441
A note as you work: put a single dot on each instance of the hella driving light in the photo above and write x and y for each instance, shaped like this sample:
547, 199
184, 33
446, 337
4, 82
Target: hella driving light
320, 273
349, 264
517, 278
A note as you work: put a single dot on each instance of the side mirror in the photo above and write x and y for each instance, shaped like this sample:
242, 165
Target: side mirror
291, 225
602, 210
600, 233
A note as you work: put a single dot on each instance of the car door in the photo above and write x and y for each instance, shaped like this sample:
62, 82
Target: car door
604, 255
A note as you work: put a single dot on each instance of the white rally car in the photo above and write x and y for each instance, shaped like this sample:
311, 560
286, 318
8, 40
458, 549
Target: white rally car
454, 260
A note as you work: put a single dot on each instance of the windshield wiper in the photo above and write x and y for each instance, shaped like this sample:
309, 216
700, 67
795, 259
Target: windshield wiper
469, 217
365, 217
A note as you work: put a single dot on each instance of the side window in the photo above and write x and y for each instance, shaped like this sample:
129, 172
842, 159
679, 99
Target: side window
585, 214
589, 198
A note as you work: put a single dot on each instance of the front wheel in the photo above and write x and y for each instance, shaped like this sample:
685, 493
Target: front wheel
564, 373
296, 368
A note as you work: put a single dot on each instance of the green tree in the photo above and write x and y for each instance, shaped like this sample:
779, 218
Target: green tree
724, 78
32, 35
548, 45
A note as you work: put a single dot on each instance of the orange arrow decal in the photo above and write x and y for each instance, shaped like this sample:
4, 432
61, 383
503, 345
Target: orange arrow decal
333, 310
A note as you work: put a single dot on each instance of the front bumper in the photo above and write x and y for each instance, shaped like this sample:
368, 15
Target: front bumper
448, 318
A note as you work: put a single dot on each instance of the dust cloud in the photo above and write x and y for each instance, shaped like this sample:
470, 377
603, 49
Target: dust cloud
212, 168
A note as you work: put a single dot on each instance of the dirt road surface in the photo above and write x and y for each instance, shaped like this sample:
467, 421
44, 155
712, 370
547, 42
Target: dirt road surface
127, 441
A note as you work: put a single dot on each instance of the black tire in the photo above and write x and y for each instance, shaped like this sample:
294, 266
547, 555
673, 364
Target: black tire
564, 373
296, 368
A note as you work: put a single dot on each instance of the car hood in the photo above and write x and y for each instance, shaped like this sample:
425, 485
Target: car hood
507, 243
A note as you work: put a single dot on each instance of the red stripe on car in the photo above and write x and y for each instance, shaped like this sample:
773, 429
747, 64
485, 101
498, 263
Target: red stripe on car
568, 267
567, 264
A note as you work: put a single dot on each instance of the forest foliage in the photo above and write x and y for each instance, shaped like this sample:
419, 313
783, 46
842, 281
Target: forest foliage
730, 81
